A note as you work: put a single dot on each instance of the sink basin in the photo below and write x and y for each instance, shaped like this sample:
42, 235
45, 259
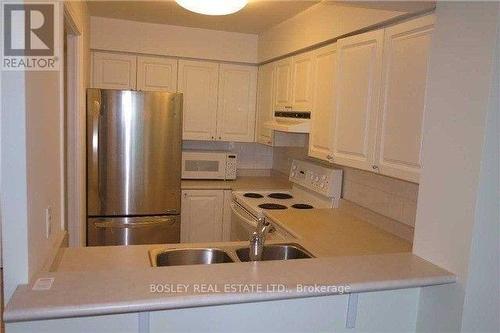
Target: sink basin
277, 252
177, 257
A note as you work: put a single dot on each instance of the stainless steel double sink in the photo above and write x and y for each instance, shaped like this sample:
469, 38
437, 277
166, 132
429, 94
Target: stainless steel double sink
204, 256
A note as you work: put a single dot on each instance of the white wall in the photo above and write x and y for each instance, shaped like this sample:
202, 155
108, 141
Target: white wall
161, 39
14, 188
482, 296
452, 214
319, 23
32, 175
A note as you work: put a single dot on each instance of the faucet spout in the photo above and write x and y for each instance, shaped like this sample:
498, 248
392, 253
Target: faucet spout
258, 238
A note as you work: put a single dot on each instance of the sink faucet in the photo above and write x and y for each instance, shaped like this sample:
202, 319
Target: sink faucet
258, 238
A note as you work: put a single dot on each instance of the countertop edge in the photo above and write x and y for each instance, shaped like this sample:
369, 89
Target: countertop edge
193, 301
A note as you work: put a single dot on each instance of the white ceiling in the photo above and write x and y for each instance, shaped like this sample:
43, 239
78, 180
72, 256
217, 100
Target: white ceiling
257, 16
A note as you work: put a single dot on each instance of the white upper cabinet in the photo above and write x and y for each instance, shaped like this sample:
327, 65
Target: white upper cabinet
302, 82
156, 74
113, 71
358, 89
294, 83
283, 85
198, 80
265, 104
324, 106
236, 106
406, 54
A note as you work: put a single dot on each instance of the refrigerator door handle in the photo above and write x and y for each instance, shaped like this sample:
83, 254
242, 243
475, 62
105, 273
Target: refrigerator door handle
96, 114
148, 223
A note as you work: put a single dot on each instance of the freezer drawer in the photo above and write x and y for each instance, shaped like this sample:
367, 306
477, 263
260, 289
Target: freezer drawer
133, 230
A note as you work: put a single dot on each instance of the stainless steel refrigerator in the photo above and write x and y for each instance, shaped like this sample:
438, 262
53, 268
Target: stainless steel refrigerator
134, 144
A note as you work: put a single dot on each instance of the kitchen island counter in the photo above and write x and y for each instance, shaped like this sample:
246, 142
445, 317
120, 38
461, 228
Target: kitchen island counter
350, 253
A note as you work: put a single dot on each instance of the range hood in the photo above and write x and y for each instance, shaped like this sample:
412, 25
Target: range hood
290, 121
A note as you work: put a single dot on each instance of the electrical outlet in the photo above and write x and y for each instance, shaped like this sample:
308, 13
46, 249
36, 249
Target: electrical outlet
48, 221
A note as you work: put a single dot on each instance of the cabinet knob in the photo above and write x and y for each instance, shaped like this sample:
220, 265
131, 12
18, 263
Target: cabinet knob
374, 167
220, 137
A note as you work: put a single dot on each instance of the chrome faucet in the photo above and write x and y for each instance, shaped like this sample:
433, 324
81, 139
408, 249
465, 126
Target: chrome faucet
258, 238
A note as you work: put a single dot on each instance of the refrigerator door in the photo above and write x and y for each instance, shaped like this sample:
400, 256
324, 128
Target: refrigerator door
133, 152
133, 230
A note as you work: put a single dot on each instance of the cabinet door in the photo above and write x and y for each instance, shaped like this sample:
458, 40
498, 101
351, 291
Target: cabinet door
201, 216
156, 74
406, 54
198, 81
237, 97
283, 85
113, 71
302, 82
324, 110
265, 103
358, 89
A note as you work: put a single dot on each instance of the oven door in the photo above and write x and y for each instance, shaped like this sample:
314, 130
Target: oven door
243, 224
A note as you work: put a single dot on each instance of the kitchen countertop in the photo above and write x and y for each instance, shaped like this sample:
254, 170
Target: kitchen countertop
349, 251
336, 232
240, 183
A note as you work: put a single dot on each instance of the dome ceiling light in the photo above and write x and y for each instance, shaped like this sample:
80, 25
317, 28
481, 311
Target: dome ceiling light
213, 7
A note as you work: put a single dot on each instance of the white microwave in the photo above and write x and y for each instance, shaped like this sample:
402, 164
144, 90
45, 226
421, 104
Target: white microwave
206, 164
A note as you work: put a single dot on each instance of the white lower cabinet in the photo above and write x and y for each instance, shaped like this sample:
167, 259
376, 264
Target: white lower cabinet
202, 216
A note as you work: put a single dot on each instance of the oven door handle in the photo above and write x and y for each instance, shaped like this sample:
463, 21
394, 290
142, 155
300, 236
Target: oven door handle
234, 208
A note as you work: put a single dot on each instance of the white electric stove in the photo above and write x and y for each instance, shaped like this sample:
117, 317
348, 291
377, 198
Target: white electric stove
314, 186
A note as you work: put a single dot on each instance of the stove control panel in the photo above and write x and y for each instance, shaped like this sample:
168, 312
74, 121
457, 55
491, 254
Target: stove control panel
317, 178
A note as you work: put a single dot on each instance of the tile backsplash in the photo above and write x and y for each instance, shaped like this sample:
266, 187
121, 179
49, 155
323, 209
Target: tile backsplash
393, 198
250, 155
389, 197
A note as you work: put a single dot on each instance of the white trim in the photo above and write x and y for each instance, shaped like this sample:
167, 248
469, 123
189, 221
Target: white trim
75, 139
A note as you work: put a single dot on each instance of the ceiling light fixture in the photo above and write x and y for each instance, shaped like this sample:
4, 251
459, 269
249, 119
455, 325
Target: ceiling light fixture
213, 7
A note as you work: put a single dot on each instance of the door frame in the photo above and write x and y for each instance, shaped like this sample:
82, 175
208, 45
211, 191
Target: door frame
74, 107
